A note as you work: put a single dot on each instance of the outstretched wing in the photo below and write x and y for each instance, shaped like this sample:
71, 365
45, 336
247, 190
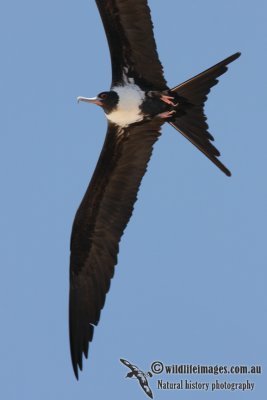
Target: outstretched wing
132, 367
144, 384
99, 224
129, 32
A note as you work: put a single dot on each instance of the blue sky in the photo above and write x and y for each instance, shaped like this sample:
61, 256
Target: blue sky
190, 286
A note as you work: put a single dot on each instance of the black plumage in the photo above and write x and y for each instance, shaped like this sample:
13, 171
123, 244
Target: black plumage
109, 200
129, 32
99, 224
193, 124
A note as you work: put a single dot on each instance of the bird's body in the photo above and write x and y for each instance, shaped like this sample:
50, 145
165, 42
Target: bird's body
128, 104
137, 105
127, 111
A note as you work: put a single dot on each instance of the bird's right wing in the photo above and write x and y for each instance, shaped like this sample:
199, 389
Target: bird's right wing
99, 224
132, 367
132, 46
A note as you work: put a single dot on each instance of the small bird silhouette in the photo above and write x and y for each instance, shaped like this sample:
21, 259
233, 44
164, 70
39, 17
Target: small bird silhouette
140, 375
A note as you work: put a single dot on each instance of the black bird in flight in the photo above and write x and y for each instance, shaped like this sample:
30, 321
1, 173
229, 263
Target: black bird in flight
140, 375
138, 103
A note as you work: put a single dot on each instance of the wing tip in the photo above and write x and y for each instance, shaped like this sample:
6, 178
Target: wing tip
233, 57
77, 359
75, 369
220, 165
228, 173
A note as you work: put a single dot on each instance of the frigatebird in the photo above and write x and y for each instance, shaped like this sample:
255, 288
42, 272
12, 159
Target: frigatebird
136, 106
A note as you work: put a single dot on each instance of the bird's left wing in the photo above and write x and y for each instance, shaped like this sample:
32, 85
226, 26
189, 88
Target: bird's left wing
132, 46
99, 224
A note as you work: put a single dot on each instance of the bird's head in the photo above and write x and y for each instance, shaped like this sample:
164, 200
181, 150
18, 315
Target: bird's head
129, 375
107, 100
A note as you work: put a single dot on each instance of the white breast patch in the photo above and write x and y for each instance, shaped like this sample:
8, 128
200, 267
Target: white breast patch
127, 111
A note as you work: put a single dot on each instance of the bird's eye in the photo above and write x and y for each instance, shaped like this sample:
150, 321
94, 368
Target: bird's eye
103, 96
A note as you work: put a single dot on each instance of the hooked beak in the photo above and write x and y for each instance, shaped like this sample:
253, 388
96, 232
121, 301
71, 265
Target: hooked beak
93, 100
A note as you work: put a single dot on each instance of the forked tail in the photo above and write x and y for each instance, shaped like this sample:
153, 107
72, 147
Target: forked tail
193, 123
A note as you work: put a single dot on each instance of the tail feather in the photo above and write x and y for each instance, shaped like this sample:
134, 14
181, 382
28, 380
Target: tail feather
193, 123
